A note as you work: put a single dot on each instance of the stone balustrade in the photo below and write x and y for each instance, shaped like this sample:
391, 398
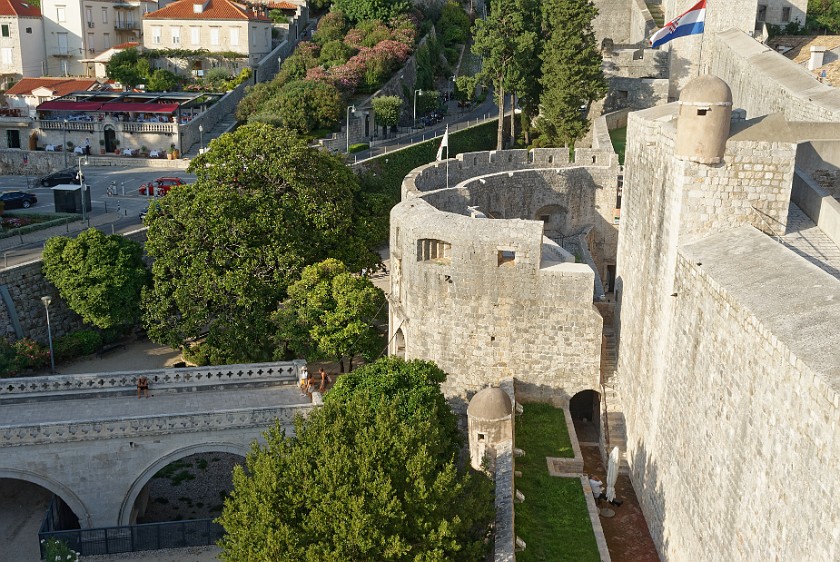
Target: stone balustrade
160, 379
135, 427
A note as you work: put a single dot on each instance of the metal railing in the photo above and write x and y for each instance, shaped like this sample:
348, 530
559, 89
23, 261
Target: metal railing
131, 538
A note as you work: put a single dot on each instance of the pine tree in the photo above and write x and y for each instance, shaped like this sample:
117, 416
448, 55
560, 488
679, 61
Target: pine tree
571, 70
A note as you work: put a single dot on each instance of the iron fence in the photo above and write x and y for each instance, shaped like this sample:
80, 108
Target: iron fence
130, 538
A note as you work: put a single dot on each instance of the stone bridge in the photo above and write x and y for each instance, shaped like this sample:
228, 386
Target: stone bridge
90, 441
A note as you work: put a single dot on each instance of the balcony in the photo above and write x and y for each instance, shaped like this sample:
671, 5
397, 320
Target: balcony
123, 6
65, 52
127, 25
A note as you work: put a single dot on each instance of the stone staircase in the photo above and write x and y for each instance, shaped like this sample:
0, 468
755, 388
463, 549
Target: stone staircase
613, 412
655, 9
223, 126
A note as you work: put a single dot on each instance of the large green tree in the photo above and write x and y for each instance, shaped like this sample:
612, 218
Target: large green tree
330, 314
264, 206
302, 105
364, 478
824, 15
571, 70
496, 40
128, 68
99, 276
386, 110
358, 10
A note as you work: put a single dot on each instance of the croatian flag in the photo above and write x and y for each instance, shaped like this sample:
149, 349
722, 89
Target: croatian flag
689, 23
443, 142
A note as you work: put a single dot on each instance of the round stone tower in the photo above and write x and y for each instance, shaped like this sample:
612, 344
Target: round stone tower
703, 123
489, 423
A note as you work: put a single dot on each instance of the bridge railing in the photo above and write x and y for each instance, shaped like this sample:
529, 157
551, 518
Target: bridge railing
56, 386
128, 427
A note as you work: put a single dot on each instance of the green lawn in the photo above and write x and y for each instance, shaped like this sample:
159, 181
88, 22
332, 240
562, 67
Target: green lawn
553, 520
619, 141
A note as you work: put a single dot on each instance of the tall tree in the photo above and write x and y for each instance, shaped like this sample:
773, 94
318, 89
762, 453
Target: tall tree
264, 206
99, 276
358, 10
571, 70
495, 39
386, 110
525, 72
363, 479
330, 314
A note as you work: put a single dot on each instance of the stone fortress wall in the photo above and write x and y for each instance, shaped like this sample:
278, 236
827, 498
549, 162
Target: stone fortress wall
494, 298
626, 22
728, 357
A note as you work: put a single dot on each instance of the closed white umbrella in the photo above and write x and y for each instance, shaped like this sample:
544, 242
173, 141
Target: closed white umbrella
612, 474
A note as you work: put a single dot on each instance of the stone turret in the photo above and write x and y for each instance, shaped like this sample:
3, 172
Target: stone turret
703, 123
489, 423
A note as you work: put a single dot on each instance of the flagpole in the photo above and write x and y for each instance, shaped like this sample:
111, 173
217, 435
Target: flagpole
702, 39
447, 163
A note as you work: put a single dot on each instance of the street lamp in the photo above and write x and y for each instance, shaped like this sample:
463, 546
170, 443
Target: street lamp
64, 146
349, 109
415, 107
47, 301
201, 136
83, 186
452, 93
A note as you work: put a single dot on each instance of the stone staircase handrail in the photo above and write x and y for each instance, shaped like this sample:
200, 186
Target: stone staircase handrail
122, 427
159, 379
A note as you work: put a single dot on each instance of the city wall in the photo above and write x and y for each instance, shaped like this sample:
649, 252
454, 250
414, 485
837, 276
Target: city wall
623, 22
717, 345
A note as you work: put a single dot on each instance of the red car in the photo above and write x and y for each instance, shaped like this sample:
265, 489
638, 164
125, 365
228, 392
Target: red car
160, 186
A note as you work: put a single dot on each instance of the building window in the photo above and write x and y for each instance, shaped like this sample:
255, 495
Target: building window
762, 13
89, 17
91, 43
506, 257
176, 35
60, 14
29, 30
438, 251
195, 35
156, 35
104, 15
234, 37
4, 30
214, 36
6, 56
106, 41
786, 15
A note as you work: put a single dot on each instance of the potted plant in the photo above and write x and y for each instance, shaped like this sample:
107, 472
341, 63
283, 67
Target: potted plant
117, 146
144, 151
101, 146
69, 146
173, 153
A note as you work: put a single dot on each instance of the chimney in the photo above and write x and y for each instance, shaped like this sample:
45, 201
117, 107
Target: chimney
816, 60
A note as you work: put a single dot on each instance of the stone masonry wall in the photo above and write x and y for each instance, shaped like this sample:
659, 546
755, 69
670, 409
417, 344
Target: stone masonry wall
764, 81
623, 22
731, 434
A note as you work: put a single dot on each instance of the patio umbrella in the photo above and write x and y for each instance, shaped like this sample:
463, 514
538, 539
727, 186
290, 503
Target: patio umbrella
612, 474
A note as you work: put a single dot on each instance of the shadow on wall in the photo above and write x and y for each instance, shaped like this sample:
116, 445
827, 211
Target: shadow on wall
644, 475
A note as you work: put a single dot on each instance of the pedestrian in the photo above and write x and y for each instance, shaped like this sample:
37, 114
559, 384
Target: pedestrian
142, 386
325, 380
87, 146
302, 378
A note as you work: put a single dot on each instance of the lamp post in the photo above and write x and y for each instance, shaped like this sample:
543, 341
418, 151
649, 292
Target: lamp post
349, 109
414, 126
47, 301
452, 92
64, 146
84, 187
201, 137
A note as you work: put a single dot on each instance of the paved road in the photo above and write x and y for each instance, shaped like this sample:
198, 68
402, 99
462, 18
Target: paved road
117, 214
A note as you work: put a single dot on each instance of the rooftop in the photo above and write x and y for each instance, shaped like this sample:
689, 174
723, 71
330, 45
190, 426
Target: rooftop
798, 47
206, 10
59, 86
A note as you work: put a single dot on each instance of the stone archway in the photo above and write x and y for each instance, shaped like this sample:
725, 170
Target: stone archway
399, 344
127, 509
585, 409
70, 499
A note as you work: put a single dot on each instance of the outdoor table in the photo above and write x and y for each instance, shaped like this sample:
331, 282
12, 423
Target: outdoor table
154, 154
49, 148
126, 152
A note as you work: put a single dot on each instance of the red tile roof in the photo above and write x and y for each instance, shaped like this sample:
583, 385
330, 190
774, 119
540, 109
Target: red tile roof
213, 10
281, 6
129, 45
18, 8
58, 86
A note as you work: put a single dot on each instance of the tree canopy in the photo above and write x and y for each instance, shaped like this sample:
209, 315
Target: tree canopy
361, 480
301, 105
824, 14
330, 314
128, 68
225, 249
357, 10
571, 70
99, 276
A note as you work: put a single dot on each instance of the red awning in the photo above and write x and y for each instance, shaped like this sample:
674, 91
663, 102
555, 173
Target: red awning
58, 105
140, 107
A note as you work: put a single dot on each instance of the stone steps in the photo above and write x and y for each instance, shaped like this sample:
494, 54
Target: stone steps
655, 9
613, 416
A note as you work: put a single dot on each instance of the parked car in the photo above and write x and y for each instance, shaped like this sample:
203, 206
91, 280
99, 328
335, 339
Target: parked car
160, 186
69, 175
17, 200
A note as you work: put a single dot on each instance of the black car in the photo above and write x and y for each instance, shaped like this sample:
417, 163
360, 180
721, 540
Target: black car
70, 175
17, 200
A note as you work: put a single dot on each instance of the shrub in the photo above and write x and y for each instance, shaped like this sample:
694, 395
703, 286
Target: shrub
77, 344
358, 147
55, 549
29, 354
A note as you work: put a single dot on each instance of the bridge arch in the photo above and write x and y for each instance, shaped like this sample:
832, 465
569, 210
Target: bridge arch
147, 474
66, 494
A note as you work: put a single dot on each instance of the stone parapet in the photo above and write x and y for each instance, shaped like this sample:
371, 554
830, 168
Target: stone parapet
505, 545
194, 378
145, 426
